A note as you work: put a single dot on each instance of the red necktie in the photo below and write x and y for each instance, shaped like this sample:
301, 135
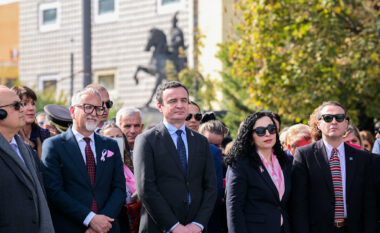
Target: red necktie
338, 186
91, 168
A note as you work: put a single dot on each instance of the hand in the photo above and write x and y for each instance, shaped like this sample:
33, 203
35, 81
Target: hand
193, 228
180, 229
101, 223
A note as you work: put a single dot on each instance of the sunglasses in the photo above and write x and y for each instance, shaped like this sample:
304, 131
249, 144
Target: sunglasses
261, 131
17, 105
329, 117
108, 104
197, 116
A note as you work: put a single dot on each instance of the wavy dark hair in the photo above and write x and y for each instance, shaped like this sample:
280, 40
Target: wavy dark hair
245, 147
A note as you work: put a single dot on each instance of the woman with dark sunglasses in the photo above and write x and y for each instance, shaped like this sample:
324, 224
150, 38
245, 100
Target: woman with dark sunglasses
193, 120
258, 179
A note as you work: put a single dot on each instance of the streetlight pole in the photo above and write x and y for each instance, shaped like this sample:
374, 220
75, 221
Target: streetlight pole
86, 40
72, 68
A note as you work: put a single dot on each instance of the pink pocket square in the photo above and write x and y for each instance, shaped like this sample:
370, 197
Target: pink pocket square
105, 153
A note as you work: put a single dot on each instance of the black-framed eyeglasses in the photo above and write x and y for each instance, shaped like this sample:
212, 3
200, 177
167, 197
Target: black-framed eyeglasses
330, 117
108, 104
89, 108
17, 105
197, 116
261, 131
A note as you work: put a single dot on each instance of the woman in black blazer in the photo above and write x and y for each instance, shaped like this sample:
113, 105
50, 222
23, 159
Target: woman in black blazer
258, 179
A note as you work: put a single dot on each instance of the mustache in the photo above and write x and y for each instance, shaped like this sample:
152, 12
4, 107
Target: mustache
91, 118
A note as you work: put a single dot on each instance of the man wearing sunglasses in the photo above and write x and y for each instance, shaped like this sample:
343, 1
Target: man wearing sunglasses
83, 172
23, 206
106, 102
331, 183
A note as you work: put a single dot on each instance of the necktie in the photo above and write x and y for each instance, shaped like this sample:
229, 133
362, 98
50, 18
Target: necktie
338, 185
181, 150
91, 169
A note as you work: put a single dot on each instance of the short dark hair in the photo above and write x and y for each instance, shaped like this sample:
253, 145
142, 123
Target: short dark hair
214, 126
330, 103
168, 85
193, 103
22, 91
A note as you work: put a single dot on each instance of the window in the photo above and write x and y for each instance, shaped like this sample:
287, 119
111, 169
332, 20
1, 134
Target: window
48, 82
106, 78
106, 10
49, 16
169, 6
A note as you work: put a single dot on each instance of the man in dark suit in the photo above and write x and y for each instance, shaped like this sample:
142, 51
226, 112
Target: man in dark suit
174, 170
83, 172
331, 187
23, 205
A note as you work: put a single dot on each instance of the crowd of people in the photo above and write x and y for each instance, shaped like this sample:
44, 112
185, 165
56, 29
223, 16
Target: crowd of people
73, 170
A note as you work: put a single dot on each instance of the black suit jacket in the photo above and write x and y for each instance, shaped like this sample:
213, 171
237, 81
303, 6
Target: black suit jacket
375, 171
68, 184
252, 200
163, 186
313, 194
18, 210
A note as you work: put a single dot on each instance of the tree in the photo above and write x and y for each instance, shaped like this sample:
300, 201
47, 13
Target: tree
291, 55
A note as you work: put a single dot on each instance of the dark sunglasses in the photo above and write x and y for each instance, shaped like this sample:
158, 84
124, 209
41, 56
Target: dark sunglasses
329, 117
197, 116
108, 104
261, 131
17, 105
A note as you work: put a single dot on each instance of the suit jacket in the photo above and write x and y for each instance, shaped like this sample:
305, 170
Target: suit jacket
163, 186
313, 200
68, 184
376, 183
22, 206
252, 200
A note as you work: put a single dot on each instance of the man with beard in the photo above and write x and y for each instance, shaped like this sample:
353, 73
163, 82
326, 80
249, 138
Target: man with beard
83, 172
106, 103
130, 122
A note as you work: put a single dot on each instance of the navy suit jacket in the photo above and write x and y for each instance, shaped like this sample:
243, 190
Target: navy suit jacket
252, 200
68, 184
217, 157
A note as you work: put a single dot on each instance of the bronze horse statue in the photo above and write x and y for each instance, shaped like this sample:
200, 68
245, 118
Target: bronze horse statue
157, 64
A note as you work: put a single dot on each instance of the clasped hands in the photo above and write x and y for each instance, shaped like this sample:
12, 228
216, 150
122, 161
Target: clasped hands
100, 224
189, 228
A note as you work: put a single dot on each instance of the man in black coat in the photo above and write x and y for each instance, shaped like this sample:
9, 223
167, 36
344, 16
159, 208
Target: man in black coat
320, 205
174, 170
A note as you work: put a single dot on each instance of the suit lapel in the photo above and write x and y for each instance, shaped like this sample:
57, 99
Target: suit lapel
29, 162
350, 157
287, 177
322, 161
168, 142
100, 165
73, 152
191, 144
268, 180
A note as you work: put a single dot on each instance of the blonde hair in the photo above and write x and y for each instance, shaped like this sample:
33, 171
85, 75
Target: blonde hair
296, 133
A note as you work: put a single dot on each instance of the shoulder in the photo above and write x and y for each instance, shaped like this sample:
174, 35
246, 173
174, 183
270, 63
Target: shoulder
362, 154
196, 135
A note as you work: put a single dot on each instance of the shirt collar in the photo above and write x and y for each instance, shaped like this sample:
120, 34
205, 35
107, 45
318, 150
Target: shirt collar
330, 147
79, 136
172, 129
14, 141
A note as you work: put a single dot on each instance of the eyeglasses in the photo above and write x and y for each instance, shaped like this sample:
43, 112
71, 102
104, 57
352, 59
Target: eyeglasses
329, 117
108, 104
377, 131
17, 105
261, 131
197, 116
89, 108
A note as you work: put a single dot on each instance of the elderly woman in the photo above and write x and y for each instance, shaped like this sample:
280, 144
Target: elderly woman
258, 179
32, 134
297, 135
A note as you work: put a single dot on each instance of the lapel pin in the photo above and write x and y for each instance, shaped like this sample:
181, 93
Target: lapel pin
192, 133
350, 158
261, 169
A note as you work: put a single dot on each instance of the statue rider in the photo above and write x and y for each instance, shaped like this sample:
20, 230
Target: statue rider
175, 43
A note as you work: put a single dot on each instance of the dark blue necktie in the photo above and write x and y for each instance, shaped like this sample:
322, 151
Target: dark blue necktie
181, 150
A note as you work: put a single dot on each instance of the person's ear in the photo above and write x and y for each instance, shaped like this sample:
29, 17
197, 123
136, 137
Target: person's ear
159, 106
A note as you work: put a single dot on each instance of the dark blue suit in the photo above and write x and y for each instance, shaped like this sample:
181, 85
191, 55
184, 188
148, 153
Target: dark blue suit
68, 184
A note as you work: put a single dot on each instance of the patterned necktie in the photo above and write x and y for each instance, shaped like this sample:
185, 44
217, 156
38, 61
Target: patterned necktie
91, 168
181, 150
338, 185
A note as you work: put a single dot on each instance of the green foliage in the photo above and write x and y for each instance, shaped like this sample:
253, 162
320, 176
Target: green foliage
291, 55
49, 96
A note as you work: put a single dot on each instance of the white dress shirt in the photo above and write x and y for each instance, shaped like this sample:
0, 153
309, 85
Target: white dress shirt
342, 162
